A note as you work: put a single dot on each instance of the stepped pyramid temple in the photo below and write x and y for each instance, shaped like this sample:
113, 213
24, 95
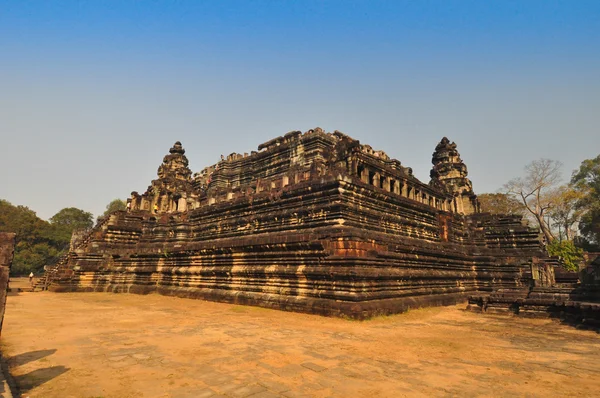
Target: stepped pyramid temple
313, 222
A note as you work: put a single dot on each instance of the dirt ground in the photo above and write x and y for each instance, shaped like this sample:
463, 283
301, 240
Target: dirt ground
21, 283
121, 345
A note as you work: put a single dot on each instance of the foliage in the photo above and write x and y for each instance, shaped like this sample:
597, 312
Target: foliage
564, 211
73, 218
33, 257
534, 191
114, 205
70, 219
586, 181
500, 203
38, 242
566, 250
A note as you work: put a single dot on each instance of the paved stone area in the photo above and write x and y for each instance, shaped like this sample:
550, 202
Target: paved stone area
121, 345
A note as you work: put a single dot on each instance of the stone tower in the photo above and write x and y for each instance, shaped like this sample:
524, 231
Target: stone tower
175, 165
449, 174
173, 190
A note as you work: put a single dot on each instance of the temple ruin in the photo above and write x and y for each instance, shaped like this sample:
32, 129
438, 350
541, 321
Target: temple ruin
313, 222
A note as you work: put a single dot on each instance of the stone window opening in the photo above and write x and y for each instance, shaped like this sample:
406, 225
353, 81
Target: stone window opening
360, 169
176, 202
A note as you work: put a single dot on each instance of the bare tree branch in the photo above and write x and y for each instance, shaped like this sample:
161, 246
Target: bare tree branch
541, 176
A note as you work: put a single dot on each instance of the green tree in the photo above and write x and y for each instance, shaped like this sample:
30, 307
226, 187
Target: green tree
37, 242
73, 218
33, 257
68, 220
570, 255
114, 205
500, 203
586, 180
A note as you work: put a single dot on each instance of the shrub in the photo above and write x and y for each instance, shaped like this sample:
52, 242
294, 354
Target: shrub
566, 250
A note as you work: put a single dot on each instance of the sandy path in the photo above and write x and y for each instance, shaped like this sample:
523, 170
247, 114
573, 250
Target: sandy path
120, 345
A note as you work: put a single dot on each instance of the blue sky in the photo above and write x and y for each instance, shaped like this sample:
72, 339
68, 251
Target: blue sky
93, 93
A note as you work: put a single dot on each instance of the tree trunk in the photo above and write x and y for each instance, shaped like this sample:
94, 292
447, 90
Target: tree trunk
545, 230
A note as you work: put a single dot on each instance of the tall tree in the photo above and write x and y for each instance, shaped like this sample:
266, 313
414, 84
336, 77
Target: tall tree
73, 218
534, 189
70, 219
38, 242
587, 181
500, 203
114, 205
564, 212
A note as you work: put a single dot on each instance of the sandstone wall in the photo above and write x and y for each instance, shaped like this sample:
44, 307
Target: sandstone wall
7, 244
330, 245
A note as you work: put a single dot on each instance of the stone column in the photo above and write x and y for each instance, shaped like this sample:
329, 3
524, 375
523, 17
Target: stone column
386, 183
182, 204
404, 190
7, 245
376, 180
364, 175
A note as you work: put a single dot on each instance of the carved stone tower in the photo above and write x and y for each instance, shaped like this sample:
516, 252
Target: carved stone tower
173, 190
449, 174
175, 165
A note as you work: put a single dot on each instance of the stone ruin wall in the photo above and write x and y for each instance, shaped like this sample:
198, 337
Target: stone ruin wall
7, 246
311, 222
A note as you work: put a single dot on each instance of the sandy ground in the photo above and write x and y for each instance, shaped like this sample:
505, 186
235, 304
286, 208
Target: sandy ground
121, 345
21, 283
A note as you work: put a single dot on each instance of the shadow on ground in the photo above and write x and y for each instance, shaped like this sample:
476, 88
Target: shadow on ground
38, 377
31, 380
30, 356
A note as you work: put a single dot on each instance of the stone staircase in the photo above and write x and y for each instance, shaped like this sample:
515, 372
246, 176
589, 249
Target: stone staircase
52, 271
571, 303
499, 301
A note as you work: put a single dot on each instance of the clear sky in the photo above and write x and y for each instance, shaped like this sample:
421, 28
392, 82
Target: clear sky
94, 93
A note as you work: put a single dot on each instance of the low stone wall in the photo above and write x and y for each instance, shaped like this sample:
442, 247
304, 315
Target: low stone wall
573, 304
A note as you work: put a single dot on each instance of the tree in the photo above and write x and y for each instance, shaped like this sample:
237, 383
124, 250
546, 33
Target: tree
70, 219
37, 242
500, 203
114, 205
570, 255
586, 181
564, 212
73, 218
20, 220
533, 190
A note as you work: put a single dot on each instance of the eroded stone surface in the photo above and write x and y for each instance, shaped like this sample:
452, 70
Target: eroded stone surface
313, 222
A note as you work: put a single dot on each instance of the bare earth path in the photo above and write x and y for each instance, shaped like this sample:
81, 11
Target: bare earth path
121, 345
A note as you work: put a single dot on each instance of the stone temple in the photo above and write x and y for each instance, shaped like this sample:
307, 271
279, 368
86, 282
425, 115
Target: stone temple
313, 222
